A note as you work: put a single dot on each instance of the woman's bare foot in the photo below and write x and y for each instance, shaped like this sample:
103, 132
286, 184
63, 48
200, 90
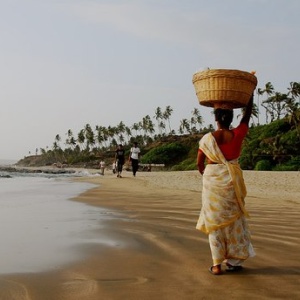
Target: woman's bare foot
215, 270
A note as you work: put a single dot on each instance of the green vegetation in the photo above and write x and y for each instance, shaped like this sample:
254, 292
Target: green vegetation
168, 154
272, 146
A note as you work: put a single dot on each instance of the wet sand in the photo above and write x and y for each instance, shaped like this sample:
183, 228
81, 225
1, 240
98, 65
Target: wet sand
158, 253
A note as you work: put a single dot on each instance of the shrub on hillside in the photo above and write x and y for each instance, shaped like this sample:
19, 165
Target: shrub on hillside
166, 154
186, 165
274, 128
291, 165
263, 165
276, 142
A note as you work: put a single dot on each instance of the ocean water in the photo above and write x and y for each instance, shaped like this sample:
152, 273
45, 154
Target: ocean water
41, 229
7, 162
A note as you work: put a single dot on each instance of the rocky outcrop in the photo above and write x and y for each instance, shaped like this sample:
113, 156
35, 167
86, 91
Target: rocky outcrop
37, 170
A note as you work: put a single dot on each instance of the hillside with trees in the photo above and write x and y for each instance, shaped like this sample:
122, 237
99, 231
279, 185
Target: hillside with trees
274, 145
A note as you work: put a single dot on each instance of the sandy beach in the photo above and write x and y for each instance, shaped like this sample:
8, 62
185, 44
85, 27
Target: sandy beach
158, 253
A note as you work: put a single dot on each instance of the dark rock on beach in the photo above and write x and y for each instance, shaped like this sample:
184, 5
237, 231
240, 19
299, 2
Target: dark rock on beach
33, 170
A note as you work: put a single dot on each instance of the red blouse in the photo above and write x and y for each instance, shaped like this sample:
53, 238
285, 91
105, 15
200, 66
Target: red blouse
232, 150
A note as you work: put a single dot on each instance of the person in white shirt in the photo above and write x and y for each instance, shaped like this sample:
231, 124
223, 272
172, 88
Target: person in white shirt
134, 157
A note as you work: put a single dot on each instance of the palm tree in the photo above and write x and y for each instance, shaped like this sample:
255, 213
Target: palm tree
258, 92
57, 138
151, 128
158, 116
276, 105
105, 133
181, 129
69, 137
144, 124
111, 131
121, 139
294, 90
292, 107
269, 90
70, 133
89, 136
72, 142
128, 132
135, 127
81, 138
100, 136
56, 142
193, 122
167, 114
184, 126
113, 143
162, 126
197, 118
55, 146
121, 128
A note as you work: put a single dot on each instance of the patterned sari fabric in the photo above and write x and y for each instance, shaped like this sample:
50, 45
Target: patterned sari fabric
223, 214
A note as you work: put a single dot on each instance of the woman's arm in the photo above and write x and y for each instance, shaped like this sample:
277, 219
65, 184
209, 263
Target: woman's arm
248, 111
200, 161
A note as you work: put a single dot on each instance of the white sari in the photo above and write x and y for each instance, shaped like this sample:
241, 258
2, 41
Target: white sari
223, 214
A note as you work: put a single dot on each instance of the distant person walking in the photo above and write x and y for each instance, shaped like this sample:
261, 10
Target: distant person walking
120, 159
102, 167
114, 167
134, 157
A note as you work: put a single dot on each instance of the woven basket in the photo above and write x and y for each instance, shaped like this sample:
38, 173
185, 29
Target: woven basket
224, 88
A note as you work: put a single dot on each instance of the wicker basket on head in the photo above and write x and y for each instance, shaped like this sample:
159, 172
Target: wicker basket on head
224, 88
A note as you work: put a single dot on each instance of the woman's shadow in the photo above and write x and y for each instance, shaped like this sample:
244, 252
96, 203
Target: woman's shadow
282, 270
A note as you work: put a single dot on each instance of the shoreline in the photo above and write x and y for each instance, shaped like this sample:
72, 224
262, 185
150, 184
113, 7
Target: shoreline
158, 253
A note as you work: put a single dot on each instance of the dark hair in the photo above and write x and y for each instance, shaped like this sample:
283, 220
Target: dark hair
224, 116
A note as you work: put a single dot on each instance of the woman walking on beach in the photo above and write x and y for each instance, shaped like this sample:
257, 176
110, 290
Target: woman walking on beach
134, 157
223, 214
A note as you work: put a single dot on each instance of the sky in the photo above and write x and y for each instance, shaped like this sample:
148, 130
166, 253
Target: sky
68, 63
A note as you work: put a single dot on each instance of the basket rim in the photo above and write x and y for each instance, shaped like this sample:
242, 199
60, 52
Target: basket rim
225, 73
